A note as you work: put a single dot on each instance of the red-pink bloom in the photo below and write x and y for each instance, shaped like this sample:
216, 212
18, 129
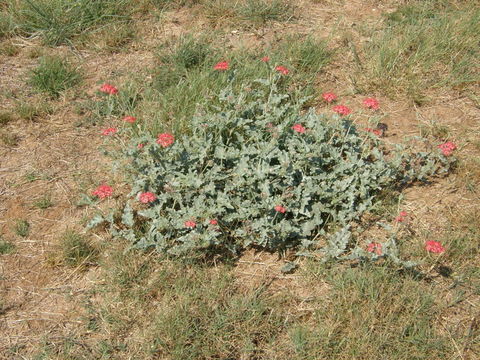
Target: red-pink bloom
298, 128
329, 97
129, 119
447, 148
221, 66
434, 247
103, 191
375, 247
109, 131
371, 103
401, 216
190, 224
282, 69
265, 59
342, 110
140, 146
108, 89
165, 139
377, 132
280, 209
213, 222
147, 197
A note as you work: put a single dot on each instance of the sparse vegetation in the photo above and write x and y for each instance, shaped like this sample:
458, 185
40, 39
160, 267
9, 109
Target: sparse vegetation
43, 202
77, 250
22, 227
54, 75
6, 247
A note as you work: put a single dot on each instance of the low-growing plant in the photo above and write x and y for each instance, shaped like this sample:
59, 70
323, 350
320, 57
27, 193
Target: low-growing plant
28, 110
59, 21
76, 249
44, 202
6, 247
5, 117
9, 139
22, 227
255, 170
54, 75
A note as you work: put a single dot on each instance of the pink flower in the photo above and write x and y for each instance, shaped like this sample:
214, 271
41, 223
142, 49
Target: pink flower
298, 128
140, 146
434, 247
129, 119
109, 131
342, 110
329, 97
213, 222
377, 132
108, 89
401, 216
103, 191
165, 139
190, 224
375, 247
282, 69
371, 103
280, 209
265, 59
221, 66
147, 197
447, 148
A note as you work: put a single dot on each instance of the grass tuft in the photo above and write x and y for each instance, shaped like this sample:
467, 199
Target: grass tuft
44, 202
77, 250
22, 227
6, 247
60, 21
54, 75
424, 45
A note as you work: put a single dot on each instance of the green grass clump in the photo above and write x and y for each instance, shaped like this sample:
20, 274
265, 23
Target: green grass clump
5, 117
6, 247
43, 202
6, 25
248, 12
306, 54
259, 12
374, 312
22, 227
77, 250
423, 45
54, 75
60, 21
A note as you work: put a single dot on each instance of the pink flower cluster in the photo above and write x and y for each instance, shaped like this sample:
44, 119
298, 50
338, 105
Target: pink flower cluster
447, 148
371, 103
401, 216
103, 191
129, 119
377, 132
375, 248
109, 131
165, 139
221, 66
299, 128
280, 209
108, 89
342, 110
434, 247
147, 197
282, 70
